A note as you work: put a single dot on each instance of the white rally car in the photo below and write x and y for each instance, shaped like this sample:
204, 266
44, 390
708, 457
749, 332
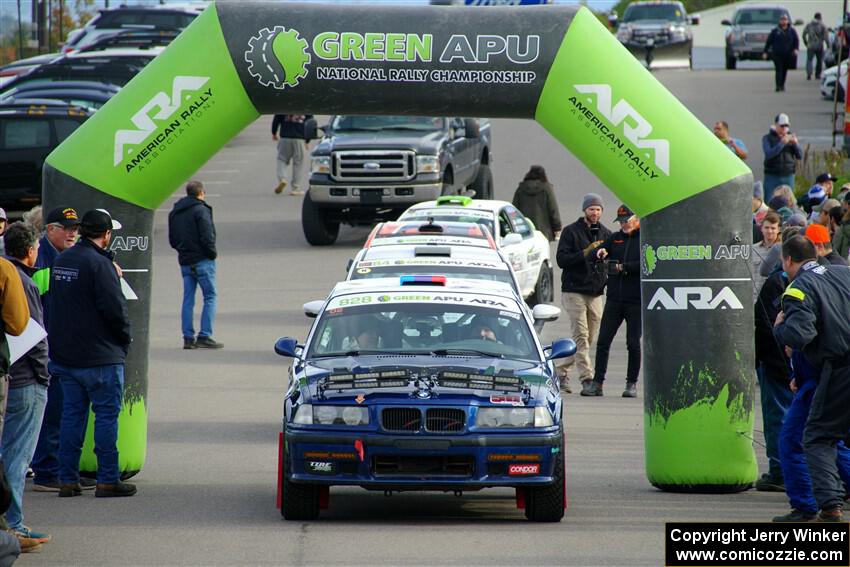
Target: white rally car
526, 248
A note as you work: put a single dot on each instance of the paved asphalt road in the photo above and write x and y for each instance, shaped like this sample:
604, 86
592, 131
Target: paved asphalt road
206, 494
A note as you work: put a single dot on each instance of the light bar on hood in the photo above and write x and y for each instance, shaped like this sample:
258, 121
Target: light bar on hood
422, 280
452, 379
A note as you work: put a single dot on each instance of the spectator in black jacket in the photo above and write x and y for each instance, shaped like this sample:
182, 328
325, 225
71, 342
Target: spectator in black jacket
621, 255
89, 332
582, 283
192, 233
782, 46
289, 133
28, 380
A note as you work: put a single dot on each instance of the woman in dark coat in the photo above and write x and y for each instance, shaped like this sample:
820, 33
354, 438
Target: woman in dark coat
535, 198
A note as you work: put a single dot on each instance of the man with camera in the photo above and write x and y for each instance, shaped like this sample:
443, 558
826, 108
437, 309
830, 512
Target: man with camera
781, 152
621, 254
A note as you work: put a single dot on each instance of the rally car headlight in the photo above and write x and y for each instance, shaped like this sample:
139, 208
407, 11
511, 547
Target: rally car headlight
340, 415
514, 417
321, 164
543, 417
428, 164
303, 415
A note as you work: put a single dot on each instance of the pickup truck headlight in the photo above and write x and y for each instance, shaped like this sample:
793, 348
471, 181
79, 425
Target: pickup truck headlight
331, 415
513, 417
624, 33
320, 164
428, 164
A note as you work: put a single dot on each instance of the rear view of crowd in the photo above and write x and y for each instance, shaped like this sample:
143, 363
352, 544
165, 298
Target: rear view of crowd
61, 288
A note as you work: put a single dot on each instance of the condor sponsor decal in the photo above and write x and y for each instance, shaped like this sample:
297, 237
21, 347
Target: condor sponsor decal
524, 469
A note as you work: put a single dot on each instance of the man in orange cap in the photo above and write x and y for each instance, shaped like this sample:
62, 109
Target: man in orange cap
819, 235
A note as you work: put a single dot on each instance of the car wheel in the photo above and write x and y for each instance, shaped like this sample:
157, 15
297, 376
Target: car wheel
483, 184
544, 289
731, 62
547, 503
318, 230
298, 501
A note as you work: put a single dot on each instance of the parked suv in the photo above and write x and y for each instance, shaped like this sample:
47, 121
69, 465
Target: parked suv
371, 168
658, 33
110, 21
29, 131
748, 30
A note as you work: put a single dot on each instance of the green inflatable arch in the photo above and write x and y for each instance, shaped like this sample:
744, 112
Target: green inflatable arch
557, 65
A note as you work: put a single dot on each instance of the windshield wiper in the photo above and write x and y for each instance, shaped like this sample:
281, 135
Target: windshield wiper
463, 351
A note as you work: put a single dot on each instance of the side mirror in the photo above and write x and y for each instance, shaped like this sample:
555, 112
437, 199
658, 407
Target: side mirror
726, 23
562, 348
471, 128
285, 346
511, 239
798, 22
313, 308
545, 312
695, 20
310, 129
326, 129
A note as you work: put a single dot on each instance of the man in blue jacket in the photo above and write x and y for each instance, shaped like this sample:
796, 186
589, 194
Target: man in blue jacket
192, 233
782, 46
89, 333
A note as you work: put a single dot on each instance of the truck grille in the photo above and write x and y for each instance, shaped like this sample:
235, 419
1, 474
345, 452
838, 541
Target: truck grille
377, 165
402, 419
440, 420
755, 37
423, 465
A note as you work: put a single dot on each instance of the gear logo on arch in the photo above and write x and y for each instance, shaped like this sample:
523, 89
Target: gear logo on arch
277, 57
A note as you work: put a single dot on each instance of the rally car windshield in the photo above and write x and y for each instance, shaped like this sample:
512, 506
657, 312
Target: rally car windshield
378, 324
492, 274
452, 216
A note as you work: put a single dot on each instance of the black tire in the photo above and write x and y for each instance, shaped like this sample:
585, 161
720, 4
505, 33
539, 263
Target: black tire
318, 230
448, 184
300, 502
731, 62
483, 183
546, 503
544, 290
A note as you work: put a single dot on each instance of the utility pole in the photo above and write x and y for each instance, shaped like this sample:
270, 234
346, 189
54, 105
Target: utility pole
61, 24
20, 33
845, 25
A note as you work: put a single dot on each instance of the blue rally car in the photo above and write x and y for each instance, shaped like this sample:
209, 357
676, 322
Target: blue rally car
423, 383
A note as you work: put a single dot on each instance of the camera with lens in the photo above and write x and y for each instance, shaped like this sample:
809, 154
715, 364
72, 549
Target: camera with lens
612, 267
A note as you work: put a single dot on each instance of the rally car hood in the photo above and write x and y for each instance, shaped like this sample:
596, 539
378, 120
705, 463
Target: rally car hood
534, 377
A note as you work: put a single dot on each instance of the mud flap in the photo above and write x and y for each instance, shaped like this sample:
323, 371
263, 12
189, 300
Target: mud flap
520, 498
324, 497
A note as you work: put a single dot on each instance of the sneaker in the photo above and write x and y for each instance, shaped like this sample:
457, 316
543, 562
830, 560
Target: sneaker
26, 532
189, 344
114, 490
45, 486
833, 515
296, 192
30, 474
208, 342
280, 187
796, 516
565, 385
591, 388
768, 483
87, 483
70, 489
630, 391
27, 545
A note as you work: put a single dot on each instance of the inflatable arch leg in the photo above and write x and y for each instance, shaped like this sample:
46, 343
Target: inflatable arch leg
558, 65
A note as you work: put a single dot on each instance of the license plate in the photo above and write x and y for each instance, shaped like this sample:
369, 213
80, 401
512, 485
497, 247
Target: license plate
371, 196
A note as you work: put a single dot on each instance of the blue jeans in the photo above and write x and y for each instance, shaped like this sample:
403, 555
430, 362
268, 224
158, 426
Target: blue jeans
200, 274
45, 462
798, 481
24, 411
772, 181
775, 400
100, 388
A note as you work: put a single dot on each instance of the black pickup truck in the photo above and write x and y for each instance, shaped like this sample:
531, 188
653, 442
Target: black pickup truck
371, 168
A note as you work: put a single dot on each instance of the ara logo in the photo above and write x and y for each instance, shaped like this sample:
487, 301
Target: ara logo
636, 129
278, 57
144, 122
701, 298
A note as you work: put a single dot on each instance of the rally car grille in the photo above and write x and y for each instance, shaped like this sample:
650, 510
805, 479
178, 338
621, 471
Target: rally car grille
439, 420
402, 419
423, 465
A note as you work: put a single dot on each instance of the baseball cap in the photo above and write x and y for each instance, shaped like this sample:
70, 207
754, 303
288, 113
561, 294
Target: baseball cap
824, 177
99, 220
817, 233
624, 213
3, 214
66, 216
782, 119
816, 195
